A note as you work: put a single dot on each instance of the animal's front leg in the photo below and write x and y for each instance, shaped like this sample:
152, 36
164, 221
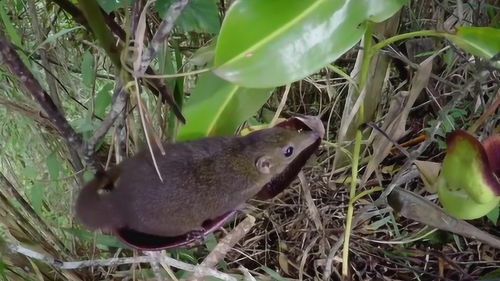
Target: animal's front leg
197, 235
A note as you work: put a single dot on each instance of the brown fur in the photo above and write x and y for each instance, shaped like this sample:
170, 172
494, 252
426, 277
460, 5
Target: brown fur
202, 180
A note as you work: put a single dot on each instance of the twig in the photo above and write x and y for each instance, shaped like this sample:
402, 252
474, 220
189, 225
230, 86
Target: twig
280, 106
246, 274
141, 65
147, 132
222, 248
112, 262
423, 146
39, 222
156, 256
312, 210
163, 31
490, 110
417, 208
155, 85
117, 107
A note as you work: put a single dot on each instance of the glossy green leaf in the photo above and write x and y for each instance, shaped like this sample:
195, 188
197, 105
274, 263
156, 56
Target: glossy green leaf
217, 107
199, 15
88, 69
480, 41
270, 43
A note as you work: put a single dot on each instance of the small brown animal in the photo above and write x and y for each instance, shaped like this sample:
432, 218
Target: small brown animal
204, 180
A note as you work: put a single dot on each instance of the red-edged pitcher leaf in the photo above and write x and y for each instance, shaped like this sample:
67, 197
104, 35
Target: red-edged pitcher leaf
143, 241
460, 205
492, 147
466, 168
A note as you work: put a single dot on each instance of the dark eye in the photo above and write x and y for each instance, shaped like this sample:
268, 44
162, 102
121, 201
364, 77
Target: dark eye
288, 151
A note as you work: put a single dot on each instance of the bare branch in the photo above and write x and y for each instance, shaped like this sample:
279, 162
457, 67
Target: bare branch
119, 104
166, 26
220, 251
112, 262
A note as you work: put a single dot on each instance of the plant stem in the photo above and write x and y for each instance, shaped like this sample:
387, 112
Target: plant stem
350, 208
403, 36
365, 67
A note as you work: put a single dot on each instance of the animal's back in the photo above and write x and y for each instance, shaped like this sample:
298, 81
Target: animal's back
192, 189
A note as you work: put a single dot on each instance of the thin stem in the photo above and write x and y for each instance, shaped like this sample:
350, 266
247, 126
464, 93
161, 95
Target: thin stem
365, 66
403, 36
344, 75
350, 208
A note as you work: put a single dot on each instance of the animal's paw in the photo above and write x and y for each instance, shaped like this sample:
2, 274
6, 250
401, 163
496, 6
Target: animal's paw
196, 235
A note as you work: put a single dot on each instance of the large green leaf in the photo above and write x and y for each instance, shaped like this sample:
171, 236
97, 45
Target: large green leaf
480, 41
270, 43
218, 107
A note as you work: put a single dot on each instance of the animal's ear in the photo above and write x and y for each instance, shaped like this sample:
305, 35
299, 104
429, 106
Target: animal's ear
264, 164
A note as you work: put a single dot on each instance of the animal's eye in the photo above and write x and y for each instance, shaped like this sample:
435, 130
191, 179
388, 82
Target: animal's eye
288, 151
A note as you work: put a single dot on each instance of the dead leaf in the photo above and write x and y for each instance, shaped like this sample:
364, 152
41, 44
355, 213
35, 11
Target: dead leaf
282, 258
283, 262
429, 172
395, 121
417, 208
